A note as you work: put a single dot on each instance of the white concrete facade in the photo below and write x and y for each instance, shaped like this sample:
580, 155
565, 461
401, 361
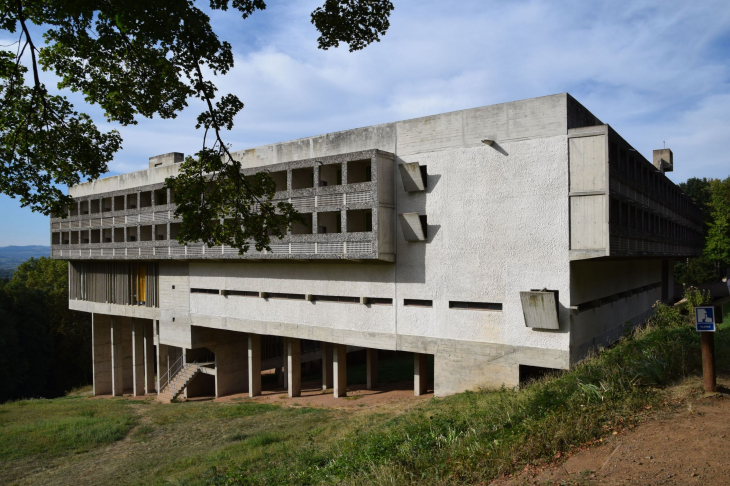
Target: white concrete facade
498, 223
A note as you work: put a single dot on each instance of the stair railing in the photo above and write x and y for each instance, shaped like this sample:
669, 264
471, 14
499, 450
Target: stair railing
172, 371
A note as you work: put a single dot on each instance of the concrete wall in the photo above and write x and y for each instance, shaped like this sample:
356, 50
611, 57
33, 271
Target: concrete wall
593, 280
174, 304
483, 246
517, 120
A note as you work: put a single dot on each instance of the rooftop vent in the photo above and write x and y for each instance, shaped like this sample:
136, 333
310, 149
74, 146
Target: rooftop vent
166, 159
663, 160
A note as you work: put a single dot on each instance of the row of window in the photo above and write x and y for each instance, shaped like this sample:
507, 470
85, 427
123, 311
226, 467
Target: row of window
629, 216
629, 165
328, 222
358, 171
453, 304
144, 199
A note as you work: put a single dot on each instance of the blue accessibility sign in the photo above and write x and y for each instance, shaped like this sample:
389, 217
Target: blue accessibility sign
705, 319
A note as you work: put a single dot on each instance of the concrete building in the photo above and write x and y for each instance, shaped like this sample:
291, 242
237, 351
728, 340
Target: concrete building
500, 240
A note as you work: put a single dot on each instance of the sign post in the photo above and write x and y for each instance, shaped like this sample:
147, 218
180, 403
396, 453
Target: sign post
705, 323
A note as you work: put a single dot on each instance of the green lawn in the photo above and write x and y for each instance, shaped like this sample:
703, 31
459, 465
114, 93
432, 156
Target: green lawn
463, 439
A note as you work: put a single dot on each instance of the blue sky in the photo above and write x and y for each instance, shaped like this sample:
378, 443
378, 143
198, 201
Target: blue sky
655, 70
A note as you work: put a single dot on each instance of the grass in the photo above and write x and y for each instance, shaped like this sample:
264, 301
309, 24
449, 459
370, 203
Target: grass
29, 428
464, 439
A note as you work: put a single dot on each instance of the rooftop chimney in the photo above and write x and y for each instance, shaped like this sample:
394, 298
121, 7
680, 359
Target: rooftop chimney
166, 159
663, 160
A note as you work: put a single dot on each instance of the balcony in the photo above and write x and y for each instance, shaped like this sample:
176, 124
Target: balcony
347, 202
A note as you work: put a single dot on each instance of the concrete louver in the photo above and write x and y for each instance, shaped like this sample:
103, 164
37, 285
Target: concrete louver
413, 177
413, 226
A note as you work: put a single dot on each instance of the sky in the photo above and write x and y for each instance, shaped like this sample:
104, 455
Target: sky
657, 71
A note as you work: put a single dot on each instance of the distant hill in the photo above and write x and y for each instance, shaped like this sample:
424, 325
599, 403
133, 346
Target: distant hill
12, 256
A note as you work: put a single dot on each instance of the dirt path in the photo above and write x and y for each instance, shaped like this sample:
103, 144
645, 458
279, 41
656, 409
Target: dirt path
689, 446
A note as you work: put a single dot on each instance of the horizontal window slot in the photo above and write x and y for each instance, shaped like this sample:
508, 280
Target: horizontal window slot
242, 293
286, 296
379, 301
493, 306
417, 303
336, 298
204, 291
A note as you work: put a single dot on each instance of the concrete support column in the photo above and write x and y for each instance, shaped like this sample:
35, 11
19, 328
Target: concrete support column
138, 358
149, 357
163, 362
294, 366
372, 368
231, 363
339, 365
254, 365
285, 365
117, 359
101, 352
420, 374
327, 382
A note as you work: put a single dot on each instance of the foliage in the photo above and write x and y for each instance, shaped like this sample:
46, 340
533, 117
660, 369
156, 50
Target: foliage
144, 58
45, 348
694, 271
699, 191
718, 237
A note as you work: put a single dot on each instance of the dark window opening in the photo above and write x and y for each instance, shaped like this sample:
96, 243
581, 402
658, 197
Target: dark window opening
204, 291
533, 373
417, 303
494, 306
336, 298
302, 178
359, 171
330, 175
242, 293
286, 296
379, 301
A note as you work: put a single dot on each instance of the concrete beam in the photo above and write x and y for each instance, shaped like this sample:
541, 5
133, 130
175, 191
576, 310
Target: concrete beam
420, 374
294, 367
372, 368
254, 365
101, 352
327, 371
138, 377
339, 365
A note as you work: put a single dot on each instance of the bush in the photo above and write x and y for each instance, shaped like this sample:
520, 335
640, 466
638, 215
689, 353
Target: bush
695, 271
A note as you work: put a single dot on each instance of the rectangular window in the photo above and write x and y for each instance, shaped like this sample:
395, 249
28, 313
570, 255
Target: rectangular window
286, 296
242, 293
336, 298
380, 301
417, 303
494, 306
204, 291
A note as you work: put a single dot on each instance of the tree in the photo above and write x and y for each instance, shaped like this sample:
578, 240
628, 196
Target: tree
45, 348
144, 58
717, 246
698, 270
699, 191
